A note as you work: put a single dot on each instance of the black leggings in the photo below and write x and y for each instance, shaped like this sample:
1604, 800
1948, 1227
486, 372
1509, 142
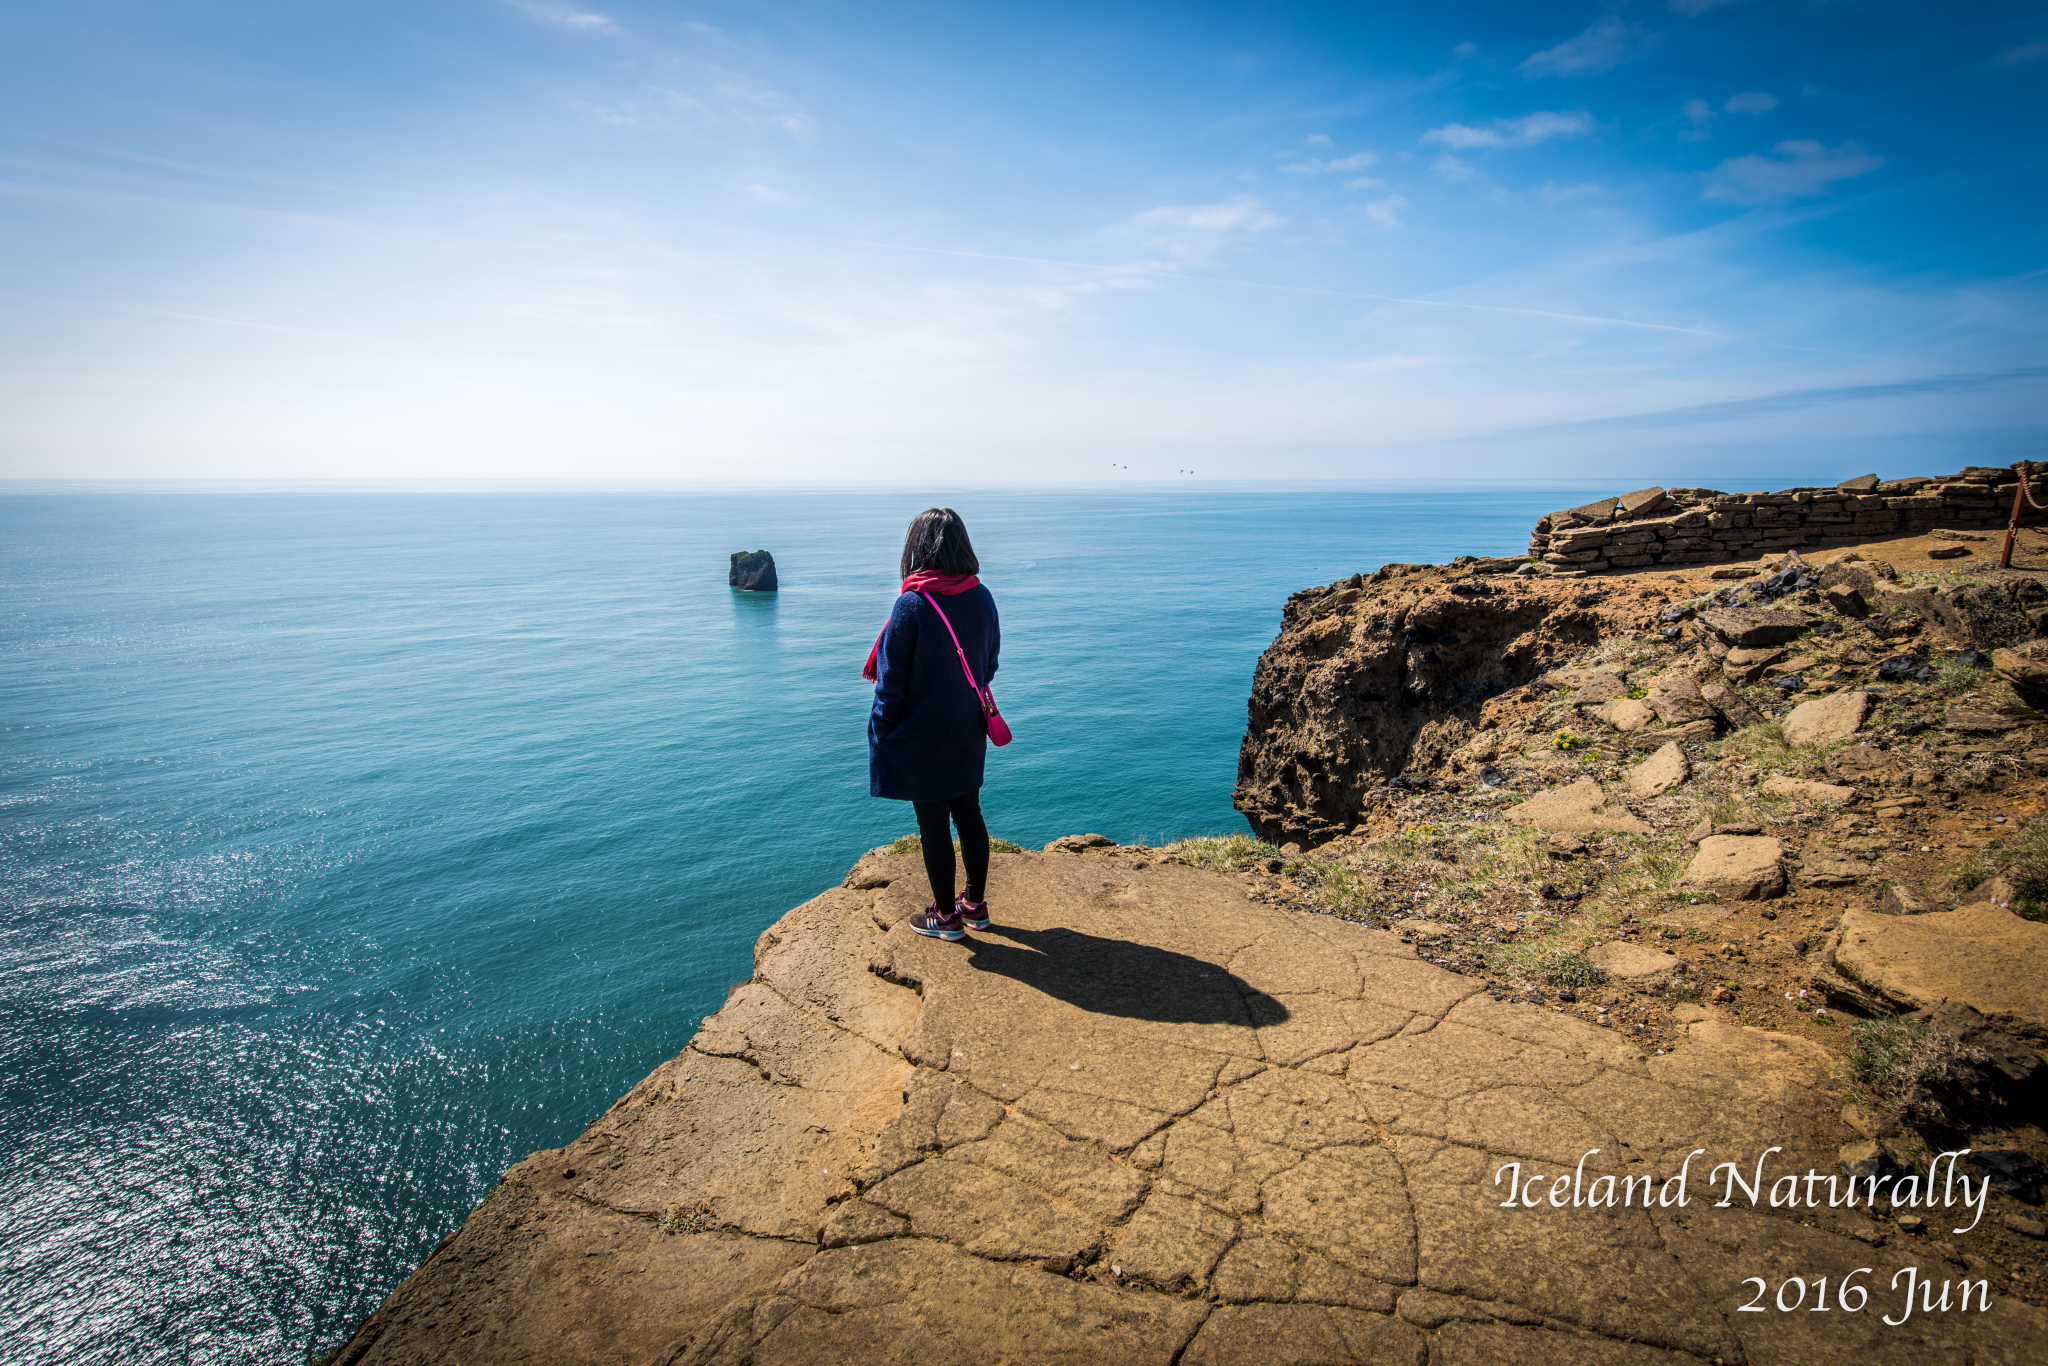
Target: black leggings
938, 847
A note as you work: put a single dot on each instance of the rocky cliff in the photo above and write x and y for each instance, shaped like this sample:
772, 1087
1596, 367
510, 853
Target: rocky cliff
1149, 1119
1383, 678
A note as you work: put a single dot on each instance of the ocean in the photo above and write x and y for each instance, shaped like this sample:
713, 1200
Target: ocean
354, 844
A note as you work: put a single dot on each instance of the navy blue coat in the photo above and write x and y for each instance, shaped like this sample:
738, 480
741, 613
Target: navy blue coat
927, 738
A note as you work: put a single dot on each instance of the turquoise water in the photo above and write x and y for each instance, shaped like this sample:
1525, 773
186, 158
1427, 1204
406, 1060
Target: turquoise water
355, 844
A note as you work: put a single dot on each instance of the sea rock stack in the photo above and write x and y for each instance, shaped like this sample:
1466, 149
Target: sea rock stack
753, 571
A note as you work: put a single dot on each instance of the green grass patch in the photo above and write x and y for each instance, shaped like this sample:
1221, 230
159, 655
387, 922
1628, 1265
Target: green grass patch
1222, 853
1910, 1066
2021, 860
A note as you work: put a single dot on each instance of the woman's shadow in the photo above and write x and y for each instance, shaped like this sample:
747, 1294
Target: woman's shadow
1117, 977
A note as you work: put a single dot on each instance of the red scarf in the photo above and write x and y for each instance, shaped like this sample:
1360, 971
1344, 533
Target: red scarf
921, 581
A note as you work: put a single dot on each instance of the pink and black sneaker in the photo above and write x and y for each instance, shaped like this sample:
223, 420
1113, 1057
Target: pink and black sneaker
930, 923
973, 914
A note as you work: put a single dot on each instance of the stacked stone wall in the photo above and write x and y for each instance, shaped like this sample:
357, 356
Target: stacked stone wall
1659, 526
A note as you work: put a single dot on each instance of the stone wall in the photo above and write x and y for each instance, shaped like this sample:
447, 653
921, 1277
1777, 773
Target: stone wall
1659, 526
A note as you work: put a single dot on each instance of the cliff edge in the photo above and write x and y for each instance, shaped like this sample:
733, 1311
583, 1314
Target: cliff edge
1148, 1118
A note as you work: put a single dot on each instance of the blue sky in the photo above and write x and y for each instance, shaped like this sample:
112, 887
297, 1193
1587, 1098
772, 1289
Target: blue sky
531, 239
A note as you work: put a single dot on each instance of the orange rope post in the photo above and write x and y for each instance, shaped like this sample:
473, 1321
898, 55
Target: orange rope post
2020, 496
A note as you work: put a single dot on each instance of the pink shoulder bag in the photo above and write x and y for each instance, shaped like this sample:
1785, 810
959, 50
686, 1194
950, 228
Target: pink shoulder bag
998, 729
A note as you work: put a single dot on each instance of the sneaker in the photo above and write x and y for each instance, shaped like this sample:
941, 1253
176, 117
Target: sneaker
973, 914
929, 922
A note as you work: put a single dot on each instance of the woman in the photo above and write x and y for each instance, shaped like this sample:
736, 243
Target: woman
927, 736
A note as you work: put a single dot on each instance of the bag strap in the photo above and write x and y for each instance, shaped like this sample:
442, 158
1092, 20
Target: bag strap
979, 691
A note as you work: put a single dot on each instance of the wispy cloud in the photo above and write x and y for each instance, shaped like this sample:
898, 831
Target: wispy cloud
1700, 118
1797, 169
1187, 232
2025, 52
1692, 9
1606, 44
1358, 161
1791, 401
724, 97
564, 15
1751, 102
1525, 131
1386, 212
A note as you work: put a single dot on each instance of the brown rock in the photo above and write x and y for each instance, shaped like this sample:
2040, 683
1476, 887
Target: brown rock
1825, 719
1074, 844
1737, 868
1898, 901
1799, 789
1631, 962
1982, 956
1752, 627
1735, 712
1676, 699
1846, 600
1626, 714
1659, 773
2027, 675
1578, 808
1862, 483
1947, 552
1691, 733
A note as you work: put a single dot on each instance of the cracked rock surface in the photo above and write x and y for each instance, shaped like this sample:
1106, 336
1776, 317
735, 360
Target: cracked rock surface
1144, 1119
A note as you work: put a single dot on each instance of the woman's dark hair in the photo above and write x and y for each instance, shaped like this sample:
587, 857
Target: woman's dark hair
938, 544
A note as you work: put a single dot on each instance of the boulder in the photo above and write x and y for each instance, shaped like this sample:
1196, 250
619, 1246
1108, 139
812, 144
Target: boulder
1981, 955
1737, 868
1597, 685
1659, 773
1947, 552
1747, 666
1631, 962
2027, 675
1644, 503
1074, 844
1826, 719
1862, 483
1691, 733
1752, 627
1577, 808
753, 571
1898, 900
1626, 714
1676, 699
1730, 704
1846, 601
1799, 789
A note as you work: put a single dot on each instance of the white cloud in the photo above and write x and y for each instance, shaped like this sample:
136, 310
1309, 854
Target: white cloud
1316, 140
1454, 168
1364, 182
1358, 161
1607, 43
1465, 50
725, 98
2025, 52
1701, 115
1186, 231
1525, 131
1751, 102
1386, 212
1798, 169
564, 15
